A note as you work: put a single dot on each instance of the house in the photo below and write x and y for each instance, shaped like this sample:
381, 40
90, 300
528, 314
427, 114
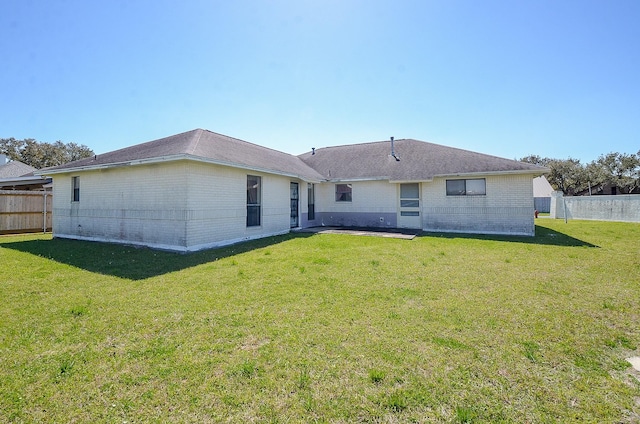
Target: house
607, 189
200, 189
542, 194
15, 175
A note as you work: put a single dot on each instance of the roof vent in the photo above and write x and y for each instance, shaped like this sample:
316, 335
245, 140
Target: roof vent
393, 152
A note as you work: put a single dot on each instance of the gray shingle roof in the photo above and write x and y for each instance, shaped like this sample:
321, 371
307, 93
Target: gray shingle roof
204, 145
419, 161
15, 169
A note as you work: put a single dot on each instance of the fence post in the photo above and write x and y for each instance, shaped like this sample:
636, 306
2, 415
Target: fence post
557, 205
44, 213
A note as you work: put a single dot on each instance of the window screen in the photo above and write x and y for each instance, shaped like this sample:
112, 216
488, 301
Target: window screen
253, 200
343, 192
472, 187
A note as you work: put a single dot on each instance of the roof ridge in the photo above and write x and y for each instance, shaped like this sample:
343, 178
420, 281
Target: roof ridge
144, 143
459, 149
248, 142
193, 145
355, 144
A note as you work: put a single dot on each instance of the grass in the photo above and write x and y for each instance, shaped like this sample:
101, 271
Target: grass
325, 328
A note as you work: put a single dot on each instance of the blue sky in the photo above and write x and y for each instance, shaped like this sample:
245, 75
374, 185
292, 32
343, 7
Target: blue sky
508, 78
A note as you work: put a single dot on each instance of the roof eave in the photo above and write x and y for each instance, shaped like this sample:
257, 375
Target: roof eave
355, 180
173, 158
253, 168
408, 181
24, 180
536, 172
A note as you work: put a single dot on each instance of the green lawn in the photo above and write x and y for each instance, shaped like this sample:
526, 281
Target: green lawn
325, 328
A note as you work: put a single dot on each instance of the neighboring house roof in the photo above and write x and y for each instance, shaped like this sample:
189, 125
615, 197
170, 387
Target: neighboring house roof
15, 169
20, 176
541, 187
201, 145
16, 175
418, 161
25, 183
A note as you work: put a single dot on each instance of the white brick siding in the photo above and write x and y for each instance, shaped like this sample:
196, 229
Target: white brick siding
367, 196
138, 204
218, 197
187, 205
373, 204
507, 208
181, 205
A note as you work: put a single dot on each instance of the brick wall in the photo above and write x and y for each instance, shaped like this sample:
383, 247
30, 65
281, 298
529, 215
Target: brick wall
374, 204
507, 207
183, 205
218, 199
138, 204
188, 205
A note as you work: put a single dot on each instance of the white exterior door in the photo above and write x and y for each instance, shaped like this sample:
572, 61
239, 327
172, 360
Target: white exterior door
409, 215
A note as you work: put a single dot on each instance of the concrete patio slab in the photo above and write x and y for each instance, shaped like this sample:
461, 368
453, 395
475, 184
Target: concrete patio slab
397, 233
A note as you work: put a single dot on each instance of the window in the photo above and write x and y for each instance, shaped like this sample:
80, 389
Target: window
75, 189
311, 201
410, 196
474, 187
253, 200
343, 192
409, 205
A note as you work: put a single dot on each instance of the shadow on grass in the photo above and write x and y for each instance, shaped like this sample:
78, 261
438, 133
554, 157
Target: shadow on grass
134, 263
544, 236
137, 263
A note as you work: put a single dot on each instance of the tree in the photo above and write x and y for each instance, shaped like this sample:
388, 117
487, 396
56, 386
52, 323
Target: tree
619, 170
536, 160
637, 173
78, 151
596, 176
567, 175
10, 147
42, 155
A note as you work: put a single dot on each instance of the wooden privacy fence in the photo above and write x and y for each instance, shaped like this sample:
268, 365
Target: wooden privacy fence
25, 211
